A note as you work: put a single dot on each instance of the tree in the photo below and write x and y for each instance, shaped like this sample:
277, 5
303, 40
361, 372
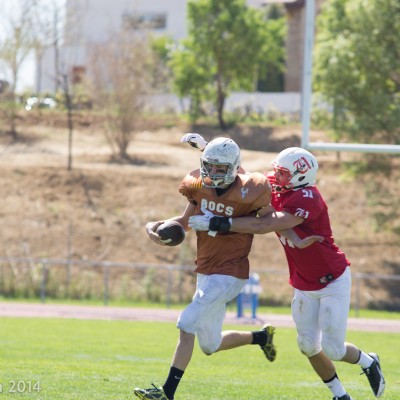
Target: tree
14, 48
271, 69
120, 82
226, 44
29, 25
358, 73
161, 73
358, 70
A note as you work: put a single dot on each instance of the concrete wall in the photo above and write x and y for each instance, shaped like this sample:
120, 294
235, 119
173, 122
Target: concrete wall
257, 102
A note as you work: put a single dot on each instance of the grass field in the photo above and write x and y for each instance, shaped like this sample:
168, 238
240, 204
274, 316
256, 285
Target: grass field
85, 359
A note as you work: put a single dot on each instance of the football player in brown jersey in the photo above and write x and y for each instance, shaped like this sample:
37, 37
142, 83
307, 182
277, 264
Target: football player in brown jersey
222, 263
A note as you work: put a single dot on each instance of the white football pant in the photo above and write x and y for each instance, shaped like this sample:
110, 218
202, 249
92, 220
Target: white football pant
204, 316
321, 318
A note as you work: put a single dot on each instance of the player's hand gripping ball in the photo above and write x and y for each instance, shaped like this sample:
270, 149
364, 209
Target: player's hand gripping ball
172, 233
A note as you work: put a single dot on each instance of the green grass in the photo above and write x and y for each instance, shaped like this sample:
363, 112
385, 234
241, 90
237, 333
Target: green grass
86, 359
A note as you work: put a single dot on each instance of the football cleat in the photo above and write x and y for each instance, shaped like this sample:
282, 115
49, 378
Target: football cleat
375, 376
344, 397
153, 393
269, 348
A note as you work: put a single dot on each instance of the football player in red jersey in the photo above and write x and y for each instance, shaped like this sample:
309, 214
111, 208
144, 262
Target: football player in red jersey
222, 264
320, 274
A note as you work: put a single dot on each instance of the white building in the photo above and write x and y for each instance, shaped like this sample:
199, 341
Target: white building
90, 22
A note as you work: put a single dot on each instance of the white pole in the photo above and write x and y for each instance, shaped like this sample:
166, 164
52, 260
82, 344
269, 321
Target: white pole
307, 71
356, 147
306, 99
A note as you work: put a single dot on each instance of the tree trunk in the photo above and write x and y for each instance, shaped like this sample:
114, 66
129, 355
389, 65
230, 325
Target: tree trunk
13, 103
13, 121
68, 104
220, 106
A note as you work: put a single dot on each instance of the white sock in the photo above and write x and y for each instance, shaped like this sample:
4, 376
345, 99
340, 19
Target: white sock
335, 386
365, 360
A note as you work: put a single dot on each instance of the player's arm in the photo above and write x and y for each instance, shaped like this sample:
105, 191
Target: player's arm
151, 227
282, 219
198, 142
268, 220
195, 140
297, 241
184, 218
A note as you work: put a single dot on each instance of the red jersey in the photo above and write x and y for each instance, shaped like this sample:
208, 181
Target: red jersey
314, 267
226, 253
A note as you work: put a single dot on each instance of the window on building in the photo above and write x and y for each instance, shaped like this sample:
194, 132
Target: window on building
78, 73
148, 20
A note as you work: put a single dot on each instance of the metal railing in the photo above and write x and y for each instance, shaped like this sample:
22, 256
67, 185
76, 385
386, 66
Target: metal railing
107, 266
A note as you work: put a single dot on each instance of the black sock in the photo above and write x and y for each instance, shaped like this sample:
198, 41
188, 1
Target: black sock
259, 337
172, 382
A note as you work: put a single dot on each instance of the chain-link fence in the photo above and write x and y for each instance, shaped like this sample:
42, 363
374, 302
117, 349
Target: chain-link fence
159, 283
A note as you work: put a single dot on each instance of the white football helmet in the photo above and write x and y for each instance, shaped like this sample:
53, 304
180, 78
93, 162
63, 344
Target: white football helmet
222, 152
298, 168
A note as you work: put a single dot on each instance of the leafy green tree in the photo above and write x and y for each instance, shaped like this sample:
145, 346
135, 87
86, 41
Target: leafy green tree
358, 69
271, 70
161, 73
190, 77
226, 45
358, 72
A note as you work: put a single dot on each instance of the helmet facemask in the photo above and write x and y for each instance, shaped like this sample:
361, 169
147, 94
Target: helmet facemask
223, 175
282, 184
219, 163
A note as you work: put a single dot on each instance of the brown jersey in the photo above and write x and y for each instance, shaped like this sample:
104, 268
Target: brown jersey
226, 253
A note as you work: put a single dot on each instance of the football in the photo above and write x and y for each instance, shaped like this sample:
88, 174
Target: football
171, 232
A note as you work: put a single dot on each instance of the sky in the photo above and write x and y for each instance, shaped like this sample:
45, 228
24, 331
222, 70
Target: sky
27, 72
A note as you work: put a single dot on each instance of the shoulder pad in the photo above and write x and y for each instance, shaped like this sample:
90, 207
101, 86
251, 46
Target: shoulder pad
192, 180
190, 183
253, 186
255, 179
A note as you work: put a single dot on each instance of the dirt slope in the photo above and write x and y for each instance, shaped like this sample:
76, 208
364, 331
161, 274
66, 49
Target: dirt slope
98, 210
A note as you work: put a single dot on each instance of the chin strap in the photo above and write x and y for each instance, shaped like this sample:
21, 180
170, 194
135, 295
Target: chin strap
300, 186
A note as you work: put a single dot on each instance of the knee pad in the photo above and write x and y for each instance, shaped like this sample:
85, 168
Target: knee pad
333, 350
208, 348
186, 326
187, 323
209, 342
307, 346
